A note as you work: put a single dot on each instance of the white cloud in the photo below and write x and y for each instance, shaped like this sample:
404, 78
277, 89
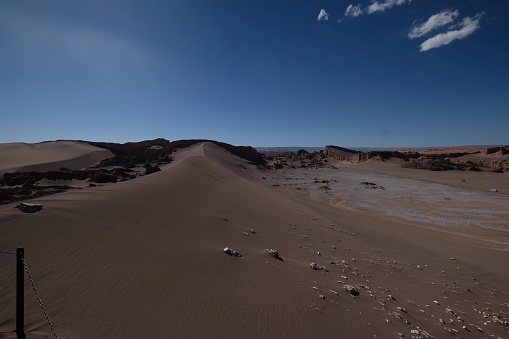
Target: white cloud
435, 21
353, 11
323, 15
377, 6
468, 26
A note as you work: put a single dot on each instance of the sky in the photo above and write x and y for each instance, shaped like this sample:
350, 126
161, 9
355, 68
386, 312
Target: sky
383, 73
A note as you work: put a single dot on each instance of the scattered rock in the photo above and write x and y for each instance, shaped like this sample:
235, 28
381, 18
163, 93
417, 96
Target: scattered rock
231, 252
372, 185
352, 290
275, 254
318, 267
29, 208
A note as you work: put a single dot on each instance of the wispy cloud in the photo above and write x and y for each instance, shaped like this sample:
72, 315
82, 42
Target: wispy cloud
353, 11
435, 21
468, 26
322, 15
378, 6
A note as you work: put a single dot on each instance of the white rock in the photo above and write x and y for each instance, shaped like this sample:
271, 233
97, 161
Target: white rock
231, 252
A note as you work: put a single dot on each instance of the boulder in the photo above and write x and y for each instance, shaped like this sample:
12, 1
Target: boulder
352, 290
29, 208
149, 169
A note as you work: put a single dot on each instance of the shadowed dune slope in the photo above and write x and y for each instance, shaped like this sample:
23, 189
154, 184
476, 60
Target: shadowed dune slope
144, 258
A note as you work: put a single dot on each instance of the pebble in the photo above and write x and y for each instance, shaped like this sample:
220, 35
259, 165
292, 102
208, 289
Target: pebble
275, 254
231, 252
318, 267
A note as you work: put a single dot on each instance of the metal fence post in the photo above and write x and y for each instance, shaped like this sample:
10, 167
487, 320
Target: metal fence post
20, 293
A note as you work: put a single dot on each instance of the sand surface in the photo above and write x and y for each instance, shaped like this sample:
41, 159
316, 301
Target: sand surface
49, 156
144, 259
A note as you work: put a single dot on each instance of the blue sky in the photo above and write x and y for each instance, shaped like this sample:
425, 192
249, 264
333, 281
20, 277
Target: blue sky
256, 72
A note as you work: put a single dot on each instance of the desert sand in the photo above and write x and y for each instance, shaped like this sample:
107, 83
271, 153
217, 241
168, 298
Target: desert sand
47, 156
144, 259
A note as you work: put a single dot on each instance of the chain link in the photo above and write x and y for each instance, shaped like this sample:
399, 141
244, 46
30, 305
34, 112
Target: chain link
39, 299
7, 252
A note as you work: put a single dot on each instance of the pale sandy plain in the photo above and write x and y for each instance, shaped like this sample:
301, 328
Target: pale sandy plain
144, 259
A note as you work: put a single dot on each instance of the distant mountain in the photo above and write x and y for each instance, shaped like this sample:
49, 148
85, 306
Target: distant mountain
363, 149
289, 149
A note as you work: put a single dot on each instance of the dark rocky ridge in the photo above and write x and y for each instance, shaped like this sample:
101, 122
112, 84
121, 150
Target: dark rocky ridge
161, 148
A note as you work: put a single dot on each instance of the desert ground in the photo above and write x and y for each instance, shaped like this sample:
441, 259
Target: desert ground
382, 252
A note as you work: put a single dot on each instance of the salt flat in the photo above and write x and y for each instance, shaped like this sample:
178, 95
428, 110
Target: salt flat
410, 199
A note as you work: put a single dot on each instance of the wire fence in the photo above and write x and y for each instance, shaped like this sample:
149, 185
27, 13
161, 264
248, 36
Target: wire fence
37, 295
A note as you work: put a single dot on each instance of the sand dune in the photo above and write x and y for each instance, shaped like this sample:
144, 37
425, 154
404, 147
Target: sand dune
144, 258
48, 156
